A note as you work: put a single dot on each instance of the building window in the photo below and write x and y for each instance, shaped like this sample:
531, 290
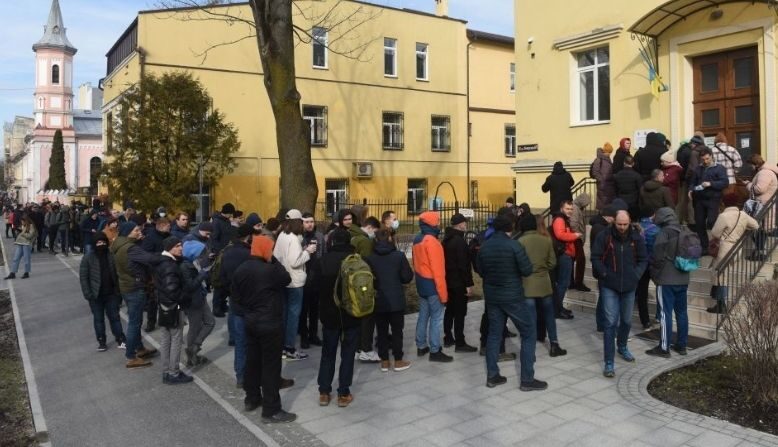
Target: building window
441, 133
513, 77
422, 62
319, 47
95, 166
316, 116
510, 140
55, 74
336, 195
593, 84
393, 130
417, 195
390, 57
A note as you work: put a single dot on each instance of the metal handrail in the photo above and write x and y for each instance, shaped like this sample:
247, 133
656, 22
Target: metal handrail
745, 259
584, 183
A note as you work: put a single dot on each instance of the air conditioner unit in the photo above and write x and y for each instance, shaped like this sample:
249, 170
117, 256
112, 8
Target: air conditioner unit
363, 169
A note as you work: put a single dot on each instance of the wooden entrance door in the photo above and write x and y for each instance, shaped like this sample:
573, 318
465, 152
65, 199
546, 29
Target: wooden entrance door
726, 98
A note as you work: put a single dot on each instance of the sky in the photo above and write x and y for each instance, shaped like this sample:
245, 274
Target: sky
94, 25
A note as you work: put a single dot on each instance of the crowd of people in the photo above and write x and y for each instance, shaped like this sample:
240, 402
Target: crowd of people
276, 281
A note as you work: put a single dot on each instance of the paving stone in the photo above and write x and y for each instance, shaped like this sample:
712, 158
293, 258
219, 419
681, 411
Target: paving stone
572, 431
570, 410
599, 439
713, 439
619, 411
667, 437
445, 437
338, 434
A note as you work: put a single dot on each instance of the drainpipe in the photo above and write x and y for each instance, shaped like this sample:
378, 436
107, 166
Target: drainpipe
469, 192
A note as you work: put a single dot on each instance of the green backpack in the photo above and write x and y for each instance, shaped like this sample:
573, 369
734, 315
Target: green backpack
356, 283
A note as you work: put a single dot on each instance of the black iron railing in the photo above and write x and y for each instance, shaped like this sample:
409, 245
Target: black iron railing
585, 185
740, 265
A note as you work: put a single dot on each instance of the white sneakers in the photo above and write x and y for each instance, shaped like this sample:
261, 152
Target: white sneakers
368, 357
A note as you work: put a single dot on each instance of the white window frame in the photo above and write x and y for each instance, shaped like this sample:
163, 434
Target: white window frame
339, 195
393, 51
313, 120
413, 199
509, 142
441, 134
426, 53
392, 145
575, 87
512, 77
318, 39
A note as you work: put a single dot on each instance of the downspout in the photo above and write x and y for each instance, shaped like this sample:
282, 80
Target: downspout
469, 133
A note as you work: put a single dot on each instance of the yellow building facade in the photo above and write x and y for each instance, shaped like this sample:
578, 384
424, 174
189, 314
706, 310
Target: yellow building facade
389, 123
584, 78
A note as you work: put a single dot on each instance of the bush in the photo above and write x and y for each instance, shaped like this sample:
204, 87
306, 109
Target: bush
752, 334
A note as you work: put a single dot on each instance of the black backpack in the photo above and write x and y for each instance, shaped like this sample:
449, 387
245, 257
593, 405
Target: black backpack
559, 246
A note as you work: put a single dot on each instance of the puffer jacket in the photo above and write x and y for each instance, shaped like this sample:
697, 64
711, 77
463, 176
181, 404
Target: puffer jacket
662, 268
654, 195
169, 283
578, 220
765, 183
233, 256
628, 183
618, 261
89, 275
289, 252
258, 287
648, 158
540, 251
603, 173
503, 262
558, 184
429, 264
391, 270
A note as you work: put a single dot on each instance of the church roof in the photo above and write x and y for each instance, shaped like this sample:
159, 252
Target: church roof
54, 32
87, 123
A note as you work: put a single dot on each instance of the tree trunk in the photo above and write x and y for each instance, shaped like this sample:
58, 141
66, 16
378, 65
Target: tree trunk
275, 41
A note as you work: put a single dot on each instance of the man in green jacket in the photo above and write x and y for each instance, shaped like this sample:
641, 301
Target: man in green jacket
362, 234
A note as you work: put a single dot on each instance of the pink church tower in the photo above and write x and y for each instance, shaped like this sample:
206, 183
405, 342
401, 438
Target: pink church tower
53, 97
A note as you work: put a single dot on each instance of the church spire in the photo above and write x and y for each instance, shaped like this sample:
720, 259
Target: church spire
54, 35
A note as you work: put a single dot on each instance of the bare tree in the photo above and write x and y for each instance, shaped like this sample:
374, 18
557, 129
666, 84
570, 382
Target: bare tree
272, 26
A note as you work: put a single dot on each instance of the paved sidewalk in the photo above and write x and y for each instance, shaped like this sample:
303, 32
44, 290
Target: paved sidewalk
84, 393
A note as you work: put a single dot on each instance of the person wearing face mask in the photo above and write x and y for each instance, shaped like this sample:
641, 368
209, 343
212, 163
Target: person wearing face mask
390, 223
100, 286
362, 235
309, 317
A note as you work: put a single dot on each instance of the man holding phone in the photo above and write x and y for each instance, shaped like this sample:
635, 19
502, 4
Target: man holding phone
309, 317
707, 182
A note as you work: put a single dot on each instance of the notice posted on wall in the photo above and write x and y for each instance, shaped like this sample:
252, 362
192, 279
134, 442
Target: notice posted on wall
639, 138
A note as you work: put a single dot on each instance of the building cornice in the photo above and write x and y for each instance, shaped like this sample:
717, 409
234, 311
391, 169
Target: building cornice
590, 37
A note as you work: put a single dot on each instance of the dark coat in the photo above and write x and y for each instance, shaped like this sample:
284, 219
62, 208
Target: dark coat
258, 287
234, 255
153, 241
654, 195
502, 262
178, 232
170, 285
132, 263
602, 170
662, 268
223, 232
89, 275
331, 316
684, 156
628, 183
391, 270
598, 224
716, 175
619, 261
618, 159
459, 274
648, 158
193, 285
312, 266
86, 230
558, 184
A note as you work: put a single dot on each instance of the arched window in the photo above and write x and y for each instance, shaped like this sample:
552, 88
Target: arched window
55, 74
95, 166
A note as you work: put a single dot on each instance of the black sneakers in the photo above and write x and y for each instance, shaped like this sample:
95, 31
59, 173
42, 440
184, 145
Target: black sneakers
441, 357
680, 351
280, 417
556, 350
465, 348
492, 382
421, 352
658, 352
535, 385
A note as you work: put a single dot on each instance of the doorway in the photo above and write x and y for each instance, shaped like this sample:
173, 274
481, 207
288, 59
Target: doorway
726, 98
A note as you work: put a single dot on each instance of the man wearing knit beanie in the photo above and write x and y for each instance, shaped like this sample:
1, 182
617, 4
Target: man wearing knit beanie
430, 268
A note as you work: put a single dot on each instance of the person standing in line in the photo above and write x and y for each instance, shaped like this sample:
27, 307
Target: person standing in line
54, 219
100, 286
23, 248
152, 242
563, 232
692, 160
503, 262
170, 288
578, 225
88, 230
628, 184
198, 313
559, 184
673, 173
389, 222
362, 234
602, 171
290, 253
727, 156
649, 231
309, 317
233, 256
706, 188
391, 271
648, 158
37, 218
180, 227
672, 284
621, 153
618, 260
653, 193
459, 283
429, 267
258, 286
223, 233
64, 230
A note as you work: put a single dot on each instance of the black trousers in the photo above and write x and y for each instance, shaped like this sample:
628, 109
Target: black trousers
152, 306
262, 378
641, 295
366, 333
485, 332
580, 264
705, 214
540, 325
456, 310
309, 316
383, 321
53, 231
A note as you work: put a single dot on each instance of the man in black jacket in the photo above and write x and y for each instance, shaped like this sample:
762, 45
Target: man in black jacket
619, 258
153, 242
648, 158
558, 184
309, 316
100, 286
706, 187
600, 223
459, 282
223, 233
628, 183
258, 288
233, 256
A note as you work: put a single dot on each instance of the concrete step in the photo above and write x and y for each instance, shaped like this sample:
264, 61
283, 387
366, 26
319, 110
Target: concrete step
701, 274
698, 290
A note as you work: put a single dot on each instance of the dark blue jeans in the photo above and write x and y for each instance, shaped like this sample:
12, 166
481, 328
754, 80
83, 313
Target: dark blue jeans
600, 312
238, 334
107, 306
563, 271
547, 305
618, 315
673, 300
219, 299
329, 353
136, 301
519, 312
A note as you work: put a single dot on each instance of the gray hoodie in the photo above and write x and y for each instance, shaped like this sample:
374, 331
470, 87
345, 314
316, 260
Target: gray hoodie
662, 268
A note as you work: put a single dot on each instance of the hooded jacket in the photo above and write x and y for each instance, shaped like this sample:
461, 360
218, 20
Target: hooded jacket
654, 195
662, 268
152, 241
223, 233
503, 262
90, 278
289, 252
133, 264
362, 243
648, 158
192, 279
459, 274
628, 183
391, 270
540, 252
618, 261
429, 263
603, 173
558, 184
257, 287
620, 155
578, 220
170, 285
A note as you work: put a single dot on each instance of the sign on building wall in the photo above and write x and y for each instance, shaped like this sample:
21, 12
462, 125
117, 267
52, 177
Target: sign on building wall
639, 138
527, 148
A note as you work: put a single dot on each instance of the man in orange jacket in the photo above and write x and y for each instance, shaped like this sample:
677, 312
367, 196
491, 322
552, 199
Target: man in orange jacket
430, 268
563, 234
